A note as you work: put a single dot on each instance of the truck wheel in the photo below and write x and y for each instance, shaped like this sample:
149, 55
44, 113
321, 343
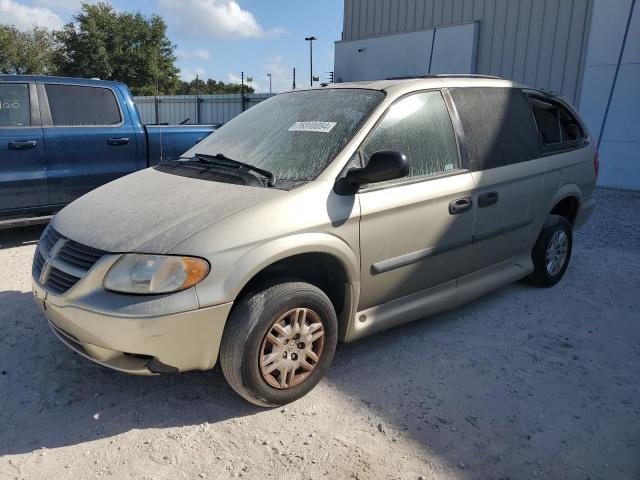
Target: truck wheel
278, 342
552, 252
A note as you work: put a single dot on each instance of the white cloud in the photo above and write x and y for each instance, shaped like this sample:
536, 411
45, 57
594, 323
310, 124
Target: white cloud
25, 17
199, 54
67, 6
281, 73
214, 18
188, 74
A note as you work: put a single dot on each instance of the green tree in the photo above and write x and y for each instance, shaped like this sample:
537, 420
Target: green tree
210, 86
123, 46
30, 52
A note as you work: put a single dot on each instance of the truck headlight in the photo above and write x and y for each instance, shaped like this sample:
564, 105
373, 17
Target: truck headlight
154, 274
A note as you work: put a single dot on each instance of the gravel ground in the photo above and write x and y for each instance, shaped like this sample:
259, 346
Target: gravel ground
522, 383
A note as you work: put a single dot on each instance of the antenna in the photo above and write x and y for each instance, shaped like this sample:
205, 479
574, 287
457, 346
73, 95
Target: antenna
158, 103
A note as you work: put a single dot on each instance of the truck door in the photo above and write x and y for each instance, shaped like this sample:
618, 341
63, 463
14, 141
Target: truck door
23, 175
89, 139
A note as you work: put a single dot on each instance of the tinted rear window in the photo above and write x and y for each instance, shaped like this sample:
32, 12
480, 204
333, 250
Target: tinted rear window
73, 106
498, 125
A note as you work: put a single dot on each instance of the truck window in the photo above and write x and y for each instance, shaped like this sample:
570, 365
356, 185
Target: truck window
419, 126
498, 126
14, 105
74, 106
556, 124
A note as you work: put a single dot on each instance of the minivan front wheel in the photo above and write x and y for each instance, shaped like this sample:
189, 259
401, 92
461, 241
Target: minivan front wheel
551, 252
278, 342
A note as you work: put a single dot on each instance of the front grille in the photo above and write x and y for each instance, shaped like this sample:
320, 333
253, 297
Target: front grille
59, 263
80, 255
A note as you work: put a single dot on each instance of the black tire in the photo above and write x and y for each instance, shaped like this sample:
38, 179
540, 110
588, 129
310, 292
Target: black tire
250, 321
541, 276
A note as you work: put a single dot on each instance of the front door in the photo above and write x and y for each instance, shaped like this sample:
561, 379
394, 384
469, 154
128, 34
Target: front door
23, 173
415, 232
89, 140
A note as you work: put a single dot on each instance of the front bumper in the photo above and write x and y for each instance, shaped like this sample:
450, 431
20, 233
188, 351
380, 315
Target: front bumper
141, 345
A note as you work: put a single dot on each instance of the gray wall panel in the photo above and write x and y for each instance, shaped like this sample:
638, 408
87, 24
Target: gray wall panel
420, 6
559, 55
536, 42
437, 12
402, 15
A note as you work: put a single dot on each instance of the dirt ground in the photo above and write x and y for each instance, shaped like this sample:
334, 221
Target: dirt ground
523, 383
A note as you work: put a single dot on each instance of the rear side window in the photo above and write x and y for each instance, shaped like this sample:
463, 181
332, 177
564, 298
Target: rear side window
498, 126
419, 126
556, 124
14, 105
73, 106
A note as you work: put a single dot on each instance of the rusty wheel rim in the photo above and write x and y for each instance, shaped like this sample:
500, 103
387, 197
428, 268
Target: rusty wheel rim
292, 348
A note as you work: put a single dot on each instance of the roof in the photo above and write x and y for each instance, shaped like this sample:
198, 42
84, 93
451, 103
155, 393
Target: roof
428, 81
53, 79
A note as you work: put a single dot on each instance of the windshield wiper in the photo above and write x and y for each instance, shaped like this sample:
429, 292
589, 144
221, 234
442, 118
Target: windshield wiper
224, 161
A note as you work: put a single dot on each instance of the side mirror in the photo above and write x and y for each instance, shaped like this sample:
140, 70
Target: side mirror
382, 166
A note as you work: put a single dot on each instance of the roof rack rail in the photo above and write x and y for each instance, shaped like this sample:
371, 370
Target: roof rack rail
445, 75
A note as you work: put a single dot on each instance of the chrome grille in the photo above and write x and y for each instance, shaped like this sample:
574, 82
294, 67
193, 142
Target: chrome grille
59, 263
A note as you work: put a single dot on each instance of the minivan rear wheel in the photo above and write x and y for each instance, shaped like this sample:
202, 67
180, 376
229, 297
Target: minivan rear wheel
552, 252
278, 342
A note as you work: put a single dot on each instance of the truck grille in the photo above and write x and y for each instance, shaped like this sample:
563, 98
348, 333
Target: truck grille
59, 263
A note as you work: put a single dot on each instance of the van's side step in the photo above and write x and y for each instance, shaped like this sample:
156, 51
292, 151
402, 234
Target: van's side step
24, 222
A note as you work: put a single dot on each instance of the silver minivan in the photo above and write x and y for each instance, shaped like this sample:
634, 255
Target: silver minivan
316, 216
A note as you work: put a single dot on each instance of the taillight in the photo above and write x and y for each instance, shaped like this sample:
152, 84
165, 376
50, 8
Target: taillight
596, 163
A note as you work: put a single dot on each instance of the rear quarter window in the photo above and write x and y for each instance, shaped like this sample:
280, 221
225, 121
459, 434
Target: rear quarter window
498, 126
557, 125
74, 106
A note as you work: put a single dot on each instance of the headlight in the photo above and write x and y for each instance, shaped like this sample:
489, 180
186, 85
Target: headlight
153, 274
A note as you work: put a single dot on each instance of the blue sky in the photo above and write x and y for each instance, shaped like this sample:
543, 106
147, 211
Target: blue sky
220, 38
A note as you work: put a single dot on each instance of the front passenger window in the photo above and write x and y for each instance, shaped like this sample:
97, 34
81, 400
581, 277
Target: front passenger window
419, 126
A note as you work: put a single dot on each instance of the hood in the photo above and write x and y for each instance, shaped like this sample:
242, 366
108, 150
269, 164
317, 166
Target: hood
151, 211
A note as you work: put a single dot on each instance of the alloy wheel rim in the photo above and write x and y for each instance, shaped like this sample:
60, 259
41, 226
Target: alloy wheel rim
292, 348
557, 252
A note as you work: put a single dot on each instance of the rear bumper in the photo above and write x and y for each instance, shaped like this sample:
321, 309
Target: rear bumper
587, 204
138, 345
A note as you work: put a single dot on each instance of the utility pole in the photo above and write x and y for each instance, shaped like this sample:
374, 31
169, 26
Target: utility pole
310, 40
197, 100
269, 75
331, 77
242, 90
294, 78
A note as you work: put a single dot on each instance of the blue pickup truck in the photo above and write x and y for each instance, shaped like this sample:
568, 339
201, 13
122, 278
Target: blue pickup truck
62, 137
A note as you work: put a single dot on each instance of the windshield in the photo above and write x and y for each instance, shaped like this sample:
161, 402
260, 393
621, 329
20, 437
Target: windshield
293, 135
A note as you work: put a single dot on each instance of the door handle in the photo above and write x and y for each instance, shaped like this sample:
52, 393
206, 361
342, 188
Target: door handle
118, 141
460, 205
487, 199
22, 144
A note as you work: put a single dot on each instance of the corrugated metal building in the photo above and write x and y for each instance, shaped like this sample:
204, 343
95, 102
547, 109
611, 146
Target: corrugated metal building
588, 50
